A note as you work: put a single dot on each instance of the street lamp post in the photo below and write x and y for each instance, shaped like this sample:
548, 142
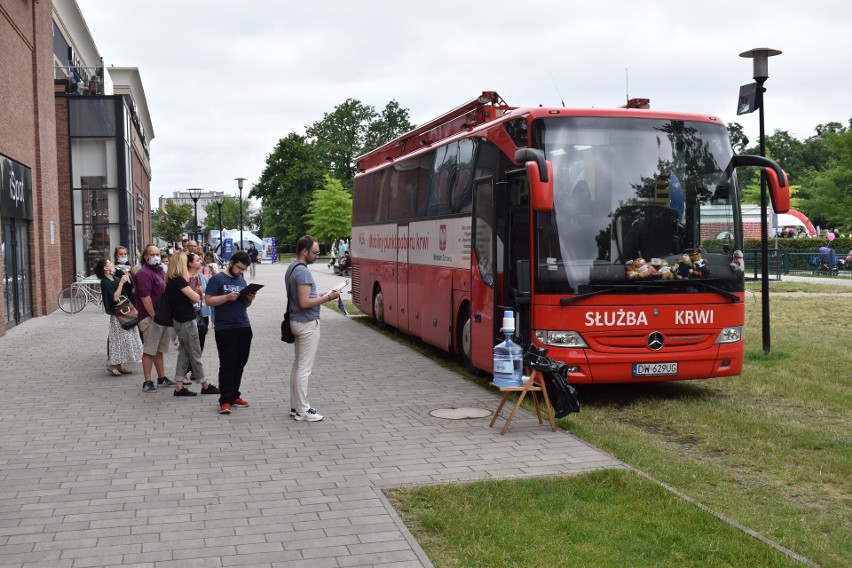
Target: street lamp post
194, 194
219, 203
240, 185
760, 57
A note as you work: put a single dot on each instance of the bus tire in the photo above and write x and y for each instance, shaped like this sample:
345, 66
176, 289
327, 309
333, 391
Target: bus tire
379, 308
463, 341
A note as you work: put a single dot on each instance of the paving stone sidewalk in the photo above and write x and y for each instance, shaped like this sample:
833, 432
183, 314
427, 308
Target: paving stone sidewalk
95, 472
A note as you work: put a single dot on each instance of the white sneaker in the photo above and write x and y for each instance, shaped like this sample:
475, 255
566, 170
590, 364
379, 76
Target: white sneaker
311, 416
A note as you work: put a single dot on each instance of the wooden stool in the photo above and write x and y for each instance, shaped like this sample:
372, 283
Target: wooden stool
532, 387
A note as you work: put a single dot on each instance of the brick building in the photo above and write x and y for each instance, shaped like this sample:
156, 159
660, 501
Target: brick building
74, 156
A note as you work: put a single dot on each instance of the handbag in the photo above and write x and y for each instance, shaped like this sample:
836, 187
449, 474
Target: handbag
126, 313
200, 321
287, 333
163, 315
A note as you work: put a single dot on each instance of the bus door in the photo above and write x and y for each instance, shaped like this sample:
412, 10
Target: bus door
513, 221
402, 275
483, 275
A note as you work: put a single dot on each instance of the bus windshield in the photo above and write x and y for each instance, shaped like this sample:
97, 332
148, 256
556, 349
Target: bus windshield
639, 204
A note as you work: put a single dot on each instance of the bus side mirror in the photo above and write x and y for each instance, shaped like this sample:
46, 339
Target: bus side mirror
540, 175
779, 187
779, 192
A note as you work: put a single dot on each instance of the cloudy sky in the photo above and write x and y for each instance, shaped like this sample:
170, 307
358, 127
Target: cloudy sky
226, 80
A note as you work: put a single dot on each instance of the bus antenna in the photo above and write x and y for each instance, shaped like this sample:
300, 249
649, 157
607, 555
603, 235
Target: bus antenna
555, 86
626, 84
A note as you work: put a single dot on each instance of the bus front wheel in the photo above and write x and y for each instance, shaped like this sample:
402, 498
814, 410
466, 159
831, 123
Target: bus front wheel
379, 309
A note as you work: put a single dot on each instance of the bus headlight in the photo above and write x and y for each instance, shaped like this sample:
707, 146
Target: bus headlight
560, 338
730, 335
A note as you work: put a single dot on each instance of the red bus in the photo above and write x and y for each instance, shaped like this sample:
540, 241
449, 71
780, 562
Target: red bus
613, 234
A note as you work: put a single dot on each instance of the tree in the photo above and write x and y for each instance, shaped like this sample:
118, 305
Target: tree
739, 141
340, 136
230, 214
392, 123
788, 152
830, 190
171, 222
293, 171
330, 211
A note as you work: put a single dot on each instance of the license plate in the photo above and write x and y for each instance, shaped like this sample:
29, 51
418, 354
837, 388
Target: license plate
654, 369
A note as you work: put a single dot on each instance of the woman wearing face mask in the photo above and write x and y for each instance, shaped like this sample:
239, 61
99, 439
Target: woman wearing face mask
123, 345
121, 260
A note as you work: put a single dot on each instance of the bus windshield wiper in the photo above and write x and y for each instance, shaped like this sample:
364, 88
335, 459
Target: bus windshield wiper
571, 299
721, 292
652, 285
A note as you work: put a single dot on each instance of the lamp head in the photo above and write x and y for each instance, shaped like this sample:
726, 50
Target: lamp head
761, 56
240, 182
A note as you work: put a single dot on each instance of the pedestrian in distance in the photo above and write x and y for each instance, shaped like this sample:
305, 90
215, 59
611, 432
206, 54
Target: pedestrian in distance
333, 254
253, 259
123, 345
304, 304
232, 328
150, 287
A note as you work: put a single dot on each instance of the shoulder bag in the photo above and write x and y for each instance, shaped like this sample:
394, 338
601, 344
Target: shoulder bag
163, 315
287, 333
126, 313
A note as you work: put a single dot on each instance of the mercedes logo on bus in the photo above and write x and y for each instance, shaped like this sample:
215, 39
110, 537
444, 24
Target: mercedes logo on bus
655, 341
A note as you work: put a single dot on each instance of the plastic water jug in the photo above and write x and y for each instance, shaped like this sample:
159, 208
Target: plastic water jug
508, 357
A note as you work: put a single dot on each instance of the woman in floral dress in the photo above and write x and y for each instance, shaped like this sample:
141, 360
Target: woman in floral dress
124, 345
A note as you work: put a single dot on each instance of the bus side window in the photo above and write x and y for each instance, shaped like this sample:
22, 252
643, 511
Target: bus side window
462, 189
443, 175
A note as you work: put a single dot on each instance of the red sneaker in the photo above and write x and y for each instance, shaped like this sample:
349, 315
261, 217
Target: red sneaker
225, 408
240, 401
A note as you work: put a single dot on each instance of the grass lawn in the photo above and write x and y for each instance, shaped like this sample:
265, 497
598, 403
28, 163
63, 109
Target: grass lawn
771, 449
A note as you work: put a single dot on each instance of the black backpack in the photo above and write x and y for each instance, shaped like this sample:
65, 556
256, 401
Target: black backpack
563, 397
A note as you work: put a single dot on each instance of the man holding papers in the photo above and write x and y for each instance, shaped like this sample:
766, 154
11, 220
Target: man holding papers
304, 322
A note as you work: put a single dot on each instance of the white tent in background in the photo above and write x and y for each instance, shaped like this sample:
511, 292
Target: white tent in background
234, 235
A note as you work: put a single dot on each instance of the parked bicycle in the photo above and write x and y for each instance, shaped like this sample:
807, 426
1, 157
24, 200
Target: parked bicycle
76, 296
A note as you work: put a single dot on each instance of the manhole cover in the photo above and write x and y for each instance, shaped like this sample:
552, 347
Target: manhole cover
459, 413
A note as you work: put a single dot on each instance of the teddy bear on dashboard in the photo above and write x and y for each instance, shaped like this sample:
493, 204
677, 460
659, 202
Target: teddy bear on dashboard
665, 271
643, 269
699, 265
737, 263
683, 269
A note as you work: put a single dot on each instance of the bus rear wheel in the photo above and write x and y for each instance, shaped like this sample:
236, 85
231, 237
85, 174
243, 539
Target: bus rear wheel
379, 309
464, 345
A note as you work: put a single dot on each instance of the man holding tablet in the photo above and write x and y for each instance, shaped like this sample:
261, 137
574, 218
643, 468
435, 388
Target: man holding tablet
227, 294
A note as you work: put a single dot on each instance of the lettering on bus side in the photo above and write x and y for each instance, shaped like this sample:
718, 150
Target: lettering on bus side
630, 318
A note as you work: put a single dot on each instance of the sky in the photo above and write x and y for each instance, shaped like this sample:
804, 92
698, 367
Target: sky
226, 80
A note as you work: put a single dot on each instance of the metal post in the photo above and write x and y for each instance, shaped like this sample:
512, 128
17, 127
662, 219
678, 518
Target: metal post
195, 194
195, 224
760, 65
219, 204
764, 226
240, 185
